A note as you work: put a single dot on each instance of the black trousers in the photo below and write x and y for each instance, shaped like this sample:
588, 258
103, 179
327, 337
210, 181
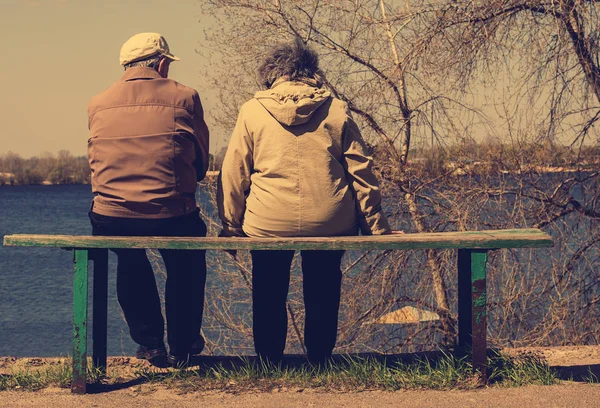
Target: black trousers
136, 287
322, 279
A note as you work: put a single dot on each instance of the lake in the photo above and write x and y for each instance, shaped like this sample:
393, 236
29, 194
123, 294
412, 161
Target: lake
36, 284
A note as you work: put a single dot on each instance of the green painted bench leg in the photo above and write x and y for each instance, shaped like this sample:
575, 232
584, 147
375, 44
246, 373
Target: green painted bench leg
80, 301
99, 307
472, 300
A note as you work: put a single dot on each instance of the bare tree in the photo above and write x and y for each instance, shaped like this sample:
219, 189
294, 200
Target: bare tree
407, 71
371, 62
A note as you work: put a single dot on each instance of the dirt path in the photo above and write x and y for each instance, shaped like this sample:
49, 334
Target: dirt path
148, 395
565, 355
564, 395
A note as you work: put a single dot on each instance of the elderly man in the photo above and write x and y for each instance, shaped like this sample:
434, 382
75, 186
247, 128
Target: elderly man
296, 166
148, 148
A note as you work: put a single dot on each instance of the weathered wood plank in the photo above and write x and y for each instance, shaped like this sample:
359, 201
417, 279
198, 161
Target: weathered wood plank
479, 310
80, 302
100, 308
491, 239
472, 301
464, 298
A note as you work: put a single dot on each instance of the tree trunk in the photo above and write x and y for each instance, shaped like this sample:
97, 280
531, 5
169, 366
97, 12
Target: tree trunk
573, 25
439, 286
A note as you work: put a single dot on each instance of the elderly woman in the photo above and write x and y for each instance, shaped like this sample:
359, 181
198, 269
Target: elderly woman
297, 166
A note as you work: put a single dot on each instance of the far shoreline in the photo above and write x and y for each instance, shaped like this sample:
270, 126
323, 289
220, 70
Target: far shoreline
454, 172
11, 183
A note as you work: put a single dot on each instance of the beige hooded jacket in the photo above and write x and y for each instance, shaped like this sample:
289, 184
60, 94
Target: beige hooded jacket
297, 165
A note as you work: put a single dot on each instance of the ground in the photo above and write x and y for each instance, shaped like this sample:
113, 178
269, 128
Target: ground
565, 356
564, 395
568, 361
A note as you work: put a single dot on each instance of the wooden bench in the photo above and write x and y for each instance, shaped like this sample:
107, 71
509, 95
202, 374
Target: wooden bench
471, 262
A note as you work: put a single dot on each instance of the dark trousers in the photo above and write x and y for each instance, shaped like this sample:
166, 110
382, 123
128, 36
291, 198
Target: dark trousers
136, 287
322, 279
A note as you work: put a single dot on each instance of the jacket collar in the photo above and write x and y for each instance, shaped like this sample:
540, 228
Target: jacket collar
140, 73
308, 81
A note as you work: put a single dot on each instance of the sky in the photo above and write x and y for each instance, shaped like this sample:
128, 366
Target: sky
57, 54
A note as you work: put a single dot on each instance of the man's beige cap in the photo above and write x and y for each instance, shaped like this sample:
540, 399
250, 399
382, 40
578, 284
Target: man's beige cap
144, 45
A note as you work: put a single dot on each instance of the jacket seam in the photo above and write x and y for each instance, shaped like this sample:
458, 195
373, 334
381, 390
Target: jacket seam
174, 159
182, 132
299, 184
126, 105
112, 209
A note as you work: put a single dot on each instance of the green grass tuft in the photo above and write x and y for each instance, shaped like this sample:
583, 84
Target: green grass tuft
358, 373
591, 377
35, 378
347, 373
524, 369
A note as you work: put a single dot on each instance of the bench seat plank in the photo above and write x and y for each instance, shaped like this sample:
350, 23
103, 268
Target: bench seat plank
491, 239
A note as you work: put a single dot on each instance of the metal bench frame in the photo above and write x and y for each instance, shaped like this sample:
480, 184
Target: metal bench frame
471, 264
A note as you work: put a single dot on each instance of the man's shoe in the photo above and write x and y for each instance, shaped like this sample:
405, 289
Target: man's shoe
177, 361
197, 346
157, 356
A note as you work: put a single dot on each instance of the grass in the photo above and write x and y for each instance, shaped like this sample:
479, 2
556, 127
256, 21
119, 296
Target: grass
525, 369
356, 374
347, 373
33, 378
591, 378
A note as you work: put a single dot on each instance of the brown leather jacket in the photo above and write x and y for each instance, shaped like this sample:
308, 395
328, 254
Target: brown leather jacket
148, 147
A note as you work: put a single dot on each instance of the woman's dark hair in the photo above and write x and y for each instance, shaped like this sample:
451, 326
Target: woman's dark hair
296, 60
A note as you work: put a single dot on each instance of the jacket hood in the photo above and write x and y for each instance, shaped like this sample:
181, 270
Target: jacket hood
293, 102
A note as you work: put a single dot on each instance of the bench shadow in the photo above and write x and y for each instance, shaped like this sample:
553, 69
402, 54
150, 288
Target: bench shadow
298, 361
578, 373
202, 364
100, 388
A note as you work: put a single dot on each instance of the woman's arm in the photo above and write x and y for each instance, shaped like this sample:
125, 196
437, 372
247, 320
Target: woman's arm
358, 165
234, 179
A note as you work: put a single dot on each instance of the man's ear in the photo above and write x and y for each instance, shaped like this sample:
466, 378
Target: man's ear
163, 67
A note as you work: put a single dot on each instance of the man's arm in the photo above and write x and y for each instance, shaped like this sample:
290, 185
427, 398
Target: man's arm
358, 165
234, 180
202, 139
